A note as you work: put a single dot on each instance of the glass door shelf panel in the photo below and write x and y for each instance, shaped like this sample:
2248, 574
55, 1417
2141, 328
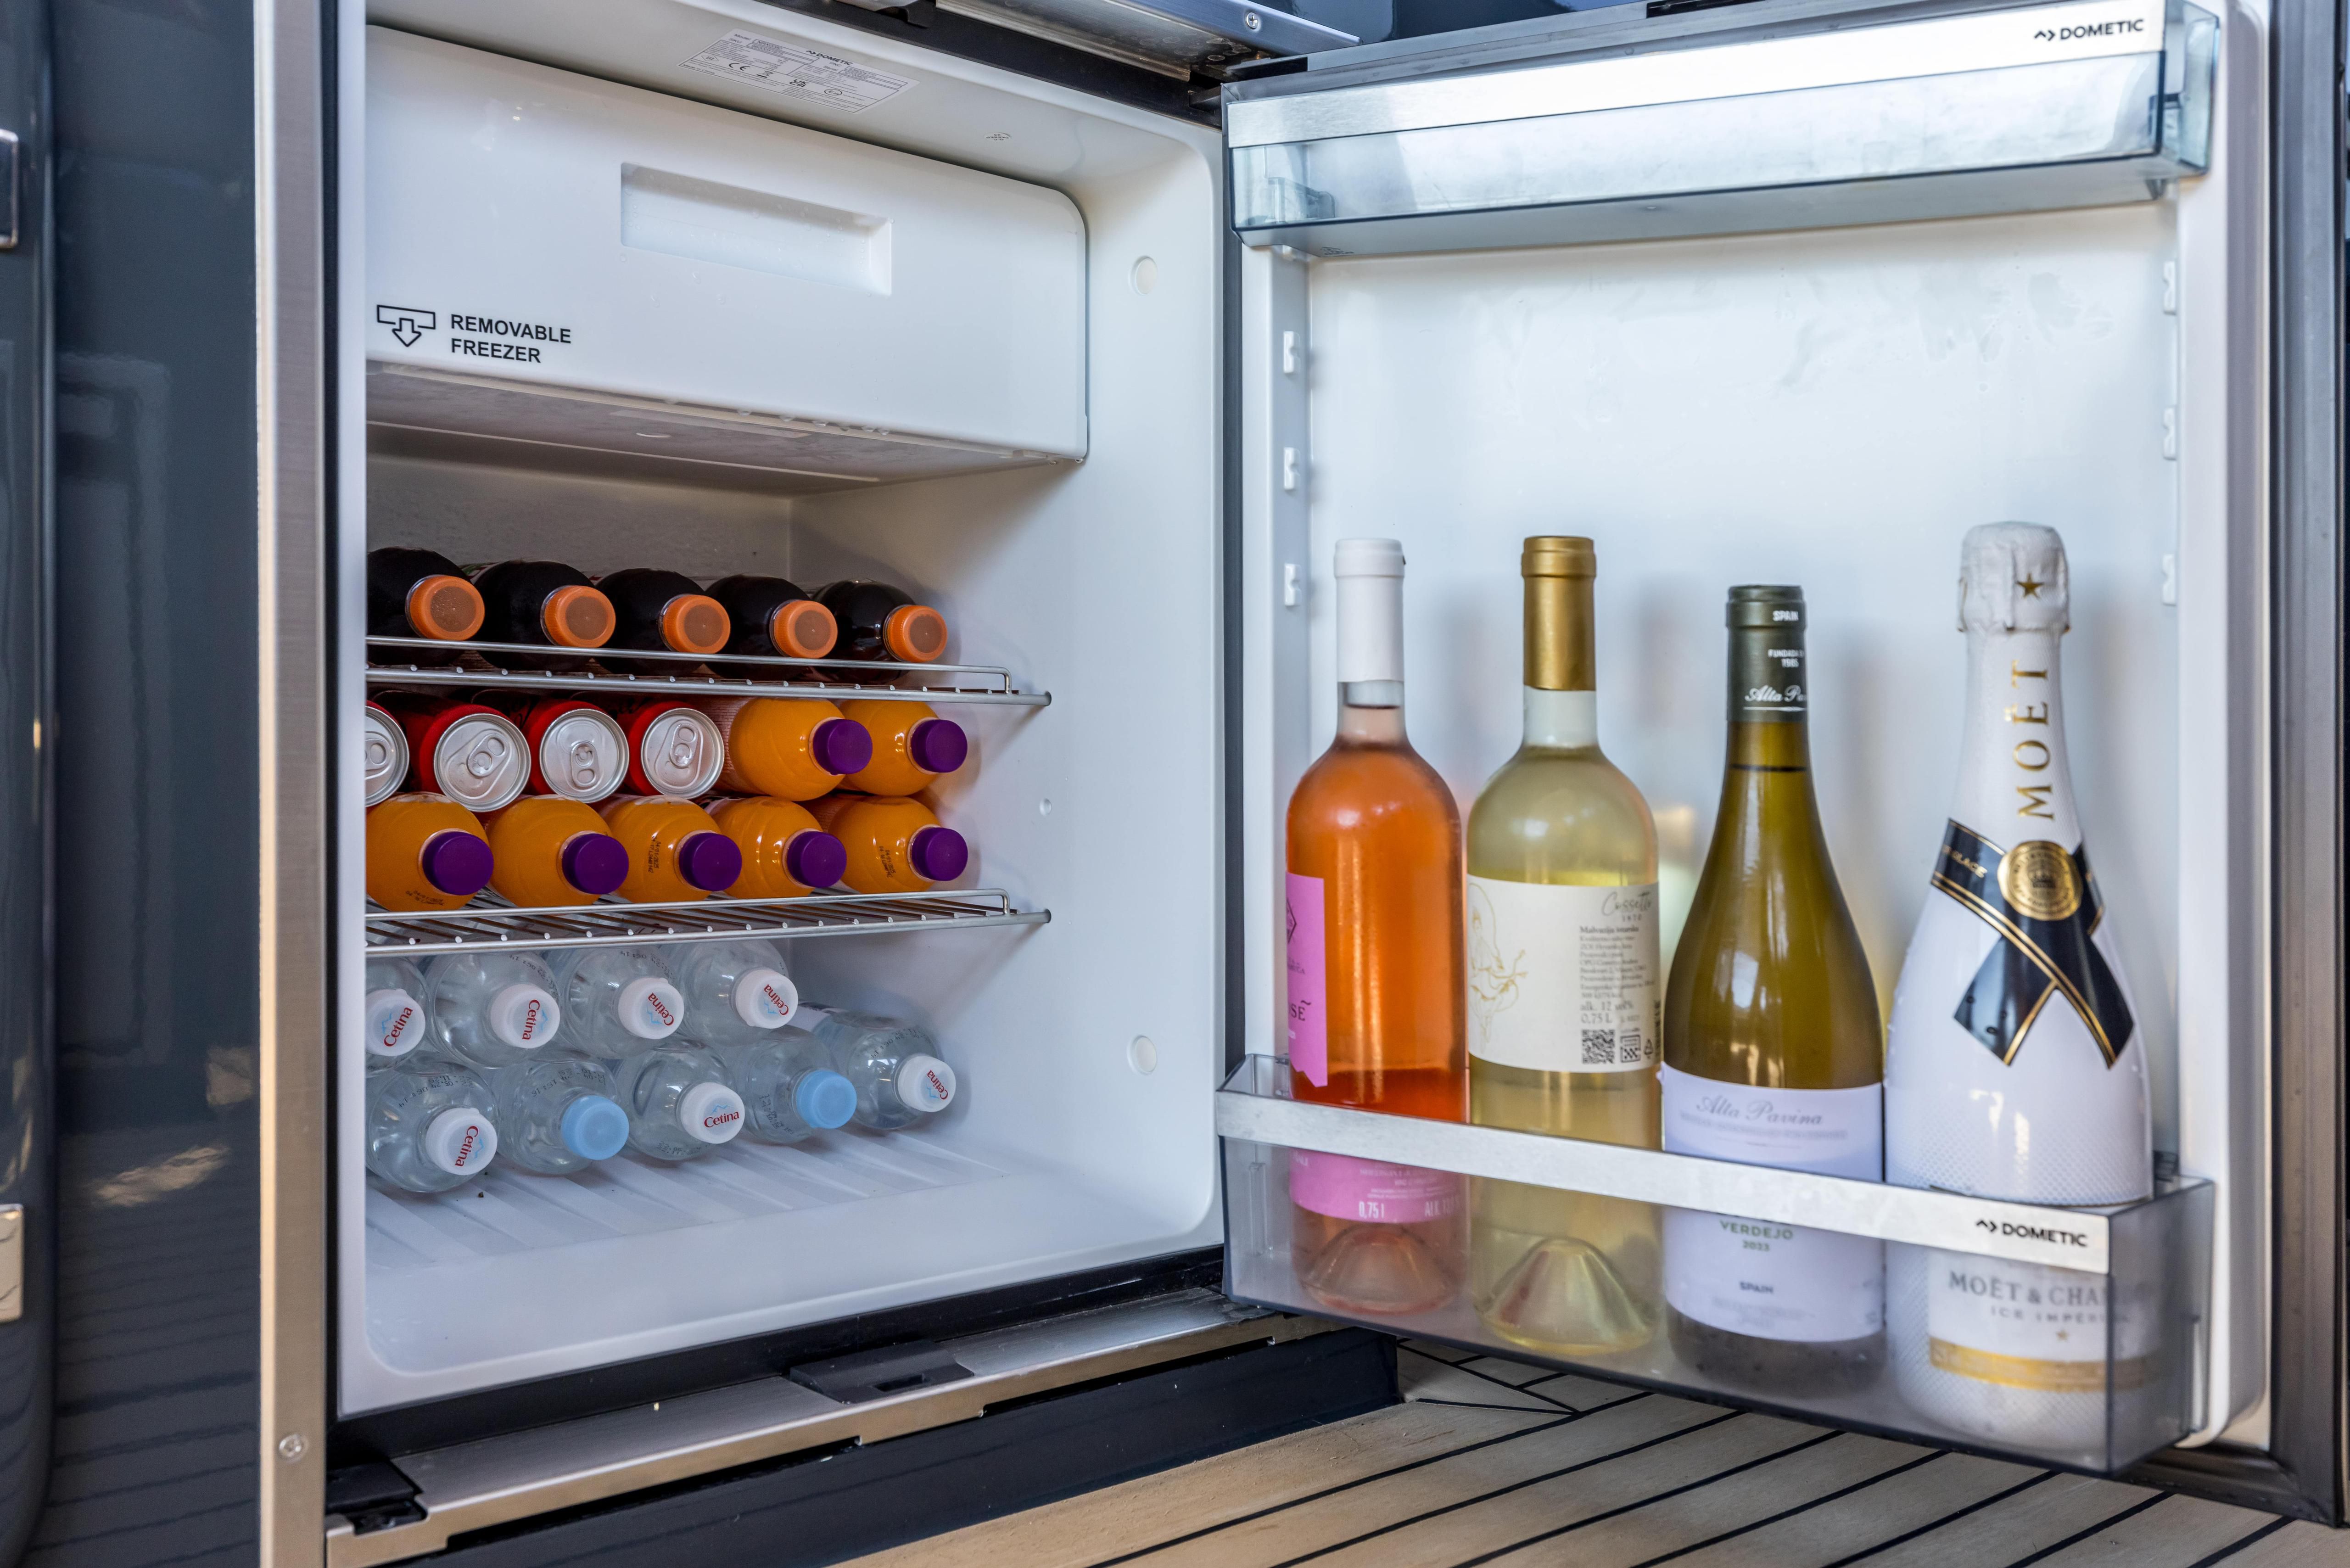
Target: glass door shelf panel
2086, 103
2067, 1337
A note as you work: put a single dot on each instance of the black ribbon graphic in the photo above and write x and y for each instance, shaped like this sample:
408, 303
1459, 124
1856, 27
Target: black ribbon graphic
2043, 947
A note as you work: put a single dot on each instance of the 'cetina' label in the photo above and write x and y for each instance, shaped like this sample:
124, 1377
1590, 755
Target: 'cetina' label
1563, 979
1309, 1026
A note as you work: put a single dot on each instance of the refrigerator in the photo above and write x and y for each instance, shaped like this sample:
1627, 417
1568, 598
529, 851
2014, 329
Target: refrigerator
1094, 324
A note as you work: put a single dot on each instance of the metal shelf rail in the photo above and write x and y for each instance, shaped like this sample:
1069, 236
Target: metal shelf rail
978, 684
616, 925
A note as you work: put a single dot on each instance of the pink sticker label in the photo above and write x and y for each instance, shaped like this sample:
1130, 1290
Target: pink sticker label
1346, 1188
1309, 1029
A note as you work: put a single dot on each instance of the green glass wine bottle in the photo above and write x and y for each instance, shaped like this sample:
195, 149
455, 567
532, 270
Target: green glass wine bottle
1563, 975
1773, 1049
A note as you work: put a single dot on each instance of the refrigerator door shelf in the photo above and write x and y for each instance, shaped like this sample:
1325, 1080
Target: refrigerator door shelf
985, 684
2070, 1337
2090, 104
498, 1480
509, 930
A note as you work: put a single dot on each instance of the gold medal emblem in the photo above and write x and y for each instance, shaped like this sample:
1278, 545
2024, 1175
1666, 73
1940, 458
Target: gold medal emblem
2039, 881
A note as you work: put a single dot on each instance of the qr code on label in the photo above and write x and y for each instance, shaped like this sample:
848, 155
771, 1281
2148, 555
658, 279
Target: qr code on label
1598, 1047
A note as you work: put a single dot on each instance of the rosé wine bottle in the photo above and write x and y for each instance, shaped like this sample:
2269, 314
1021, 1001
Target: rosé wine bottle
1377, 980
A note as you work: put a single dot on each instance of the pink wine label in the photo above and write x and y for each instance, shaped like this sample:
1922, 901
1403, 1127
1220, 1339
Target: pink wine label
1346, 1188
1309, 1027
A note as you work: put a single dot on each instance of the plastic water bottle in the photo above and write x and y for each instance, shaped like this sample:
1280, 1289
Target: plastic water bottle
399, 1011
491, 1009
681, 1101
894, 1065
558, 1113
429, 1126
736, 992
788, 1087
617, 1002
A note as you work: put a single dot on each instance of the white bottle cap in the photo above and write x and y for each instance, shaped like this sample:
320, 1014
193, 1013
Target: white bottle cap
765, 998
926, 1083
524, 1017
395, 1024
651, 1008
1371, 609
461, 1140
710, 1113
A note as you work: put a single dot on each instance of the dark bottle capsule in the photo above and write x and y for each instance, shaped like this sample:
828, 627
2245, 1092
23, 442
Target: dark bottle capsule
773, 618
663, 612
882, 624
420, 594
542, 602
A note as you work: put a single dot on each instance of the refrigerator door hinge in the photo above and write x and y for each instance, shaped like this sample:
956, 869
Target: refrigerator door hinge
874, 1373
372, 1496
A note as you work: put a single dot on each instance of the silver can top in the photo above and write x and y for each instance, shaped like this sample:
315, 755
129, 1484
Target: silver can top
683, 752
584, 755
482, 762
385, 750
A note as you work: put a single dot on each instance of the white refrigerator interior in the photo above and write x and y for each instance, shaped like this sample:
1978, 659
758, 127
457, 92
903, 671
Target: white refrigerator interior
1832, 408
1061, 307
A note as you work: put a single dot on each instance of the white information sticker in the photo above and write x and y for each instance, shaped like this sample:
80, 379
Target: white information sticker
1563, 979
796, 72
2021, 1325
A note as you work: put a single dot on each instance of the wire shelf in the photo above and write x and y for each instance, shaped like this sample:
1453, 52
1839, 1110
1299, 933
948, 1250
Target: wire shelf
616, 925
890, 683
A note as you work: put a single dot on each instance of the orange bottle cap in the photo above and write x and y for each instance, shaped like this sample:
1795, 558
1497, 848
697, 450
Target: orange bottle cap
916, 633
695, 623
446, 607
805, 627
577, 616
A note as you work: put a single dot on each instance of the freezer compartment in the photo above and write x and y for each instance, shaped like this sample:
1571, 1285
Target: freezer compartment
2013, 111
2068, 1337
560, 267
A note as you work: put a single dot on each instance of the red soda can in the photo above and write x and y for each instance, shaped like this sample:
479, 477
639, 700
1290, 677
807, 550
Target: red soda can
471, 754
674, 748
577, 750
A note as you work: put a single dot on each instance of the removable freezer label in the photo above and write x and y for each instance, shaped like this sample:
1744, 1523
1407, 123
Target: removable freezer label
795, 72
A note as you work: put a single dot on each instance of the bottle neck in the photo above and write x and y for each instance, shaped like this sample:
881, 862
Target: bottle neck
1370, 658
1562, 705
1371, 711
1770, 711
2014, 782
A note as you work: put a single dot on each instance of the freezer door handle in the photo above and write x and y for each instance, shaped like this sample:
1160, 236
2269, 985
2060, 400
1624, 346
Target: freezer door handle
9, 148
12, 1261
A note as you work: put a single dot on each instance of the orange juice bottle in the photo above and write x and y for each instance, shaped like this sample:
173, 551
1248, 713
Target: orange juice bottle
895, 845
795, 748
911, 746
552, 851
785, 853
675, 851
425, 852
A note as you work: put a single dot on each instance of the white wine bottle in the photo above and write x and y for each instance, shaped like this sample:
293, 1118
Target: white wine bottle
2014, 1069
1563, 991
1773, 1050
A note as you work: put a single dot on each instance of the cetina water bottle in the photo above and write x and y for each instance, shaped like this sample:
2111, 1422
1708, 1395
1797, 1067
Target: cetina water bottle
736, 992
492, 1009
2015, 1069
894, 1065
681, 1101
617, 1002
557, 1112
789, 1088
398, 1015
429, 1126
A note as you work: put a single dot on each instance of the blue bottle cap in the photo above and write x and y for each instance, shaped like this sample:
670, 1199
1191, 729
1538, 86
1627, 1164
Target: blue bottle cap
594, 1128
825, 1099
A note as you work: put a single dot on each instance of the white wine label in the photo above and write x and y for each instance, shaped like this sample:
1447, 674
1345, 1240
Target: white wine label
2021, 1325
1752, 1277
1563, 977
1773, 1281
1830, 1132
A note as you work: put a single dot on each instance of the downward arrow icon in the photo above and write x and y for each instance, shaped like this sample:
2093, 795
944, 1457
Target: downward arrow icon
407, 323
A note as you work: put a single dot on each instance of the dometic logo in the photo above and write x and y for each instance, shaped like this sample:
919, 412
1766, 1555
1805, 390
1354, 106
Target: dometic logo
721, 1118
400, 1022
2113, 30
407, 323
2033, 1233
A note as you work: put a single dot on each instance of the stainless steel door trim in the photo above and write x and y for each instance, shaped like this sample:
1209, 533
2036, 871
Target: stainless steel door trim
13, 197
296, 762
2070, 1238
12, 1261
498, 1480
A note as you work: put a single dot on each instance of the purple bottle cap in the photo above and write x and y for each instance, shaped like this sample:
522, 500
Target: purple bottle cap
457, 862
939, 853
841, 746
595, 863
709, 861
815, 859
937, 745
